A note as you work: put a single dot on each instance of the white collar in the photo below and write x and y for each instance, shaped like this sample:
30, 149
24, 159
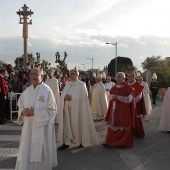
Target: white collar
132, 83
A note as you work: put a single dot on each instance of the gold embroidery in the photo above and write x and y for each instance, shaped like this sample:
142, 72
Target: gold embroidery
41, 99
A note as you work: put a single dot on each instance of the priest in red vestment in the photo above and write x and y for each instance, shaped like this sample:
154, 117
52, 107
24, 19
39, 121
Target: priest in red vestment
140, 104
121, 114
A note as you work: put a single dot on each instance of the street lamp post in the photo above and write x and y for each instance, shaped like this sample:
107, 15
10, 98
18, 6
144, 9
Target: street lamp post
83, 65
92, 63
23, 20
115, 44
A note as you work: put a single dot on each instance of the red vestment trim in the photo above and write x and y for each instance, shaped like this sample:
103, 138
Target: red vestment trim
119, 138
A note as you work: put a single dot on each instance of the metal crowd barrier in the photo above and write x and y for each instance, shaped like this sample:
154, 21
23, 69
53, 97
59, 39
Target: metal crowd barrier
13, 104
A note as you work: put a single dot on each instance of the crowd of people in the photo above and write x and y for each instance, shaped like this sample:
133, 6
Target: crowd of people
74, 102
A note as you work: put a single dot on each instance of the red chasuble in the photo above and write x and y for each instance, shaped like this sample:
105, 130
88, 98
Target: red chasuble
140, 109
125, 113
140, 105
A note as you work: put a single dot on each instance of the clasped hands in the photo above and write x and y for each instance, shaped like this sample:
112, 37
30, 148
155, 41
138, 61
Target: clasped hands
114, 96
28, 112
67, 97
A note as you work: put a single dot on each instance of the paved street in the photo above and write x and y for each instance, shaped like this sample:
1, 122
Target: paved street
150, 153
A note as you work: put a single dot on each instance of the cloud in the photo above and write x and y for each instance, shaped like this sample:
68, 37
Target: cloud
79, 48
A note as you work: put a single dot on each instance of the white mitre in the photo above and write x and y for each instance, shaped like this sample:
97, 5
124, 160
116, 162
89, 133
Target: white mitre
154, 76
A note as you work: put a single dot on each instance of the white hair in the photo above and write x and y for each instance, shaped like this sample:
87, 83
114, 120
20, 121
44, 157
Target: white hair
121, 73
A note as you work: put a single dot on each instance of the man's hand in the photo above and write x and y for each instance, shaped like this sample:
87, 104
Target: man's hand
67, 97
114, 97
28, 112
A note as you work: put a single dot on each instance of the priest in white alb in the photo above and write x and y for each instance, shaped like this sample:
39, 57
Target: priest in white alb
37, 109
52, 82
108, 85
165, 116
99, 99
76, 123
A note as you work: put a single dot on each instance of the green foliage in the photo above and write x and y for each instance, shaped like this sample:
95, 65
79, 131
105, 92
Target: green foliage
124, 64
151, 62
163, 74
19, 62
83, 73
159, 66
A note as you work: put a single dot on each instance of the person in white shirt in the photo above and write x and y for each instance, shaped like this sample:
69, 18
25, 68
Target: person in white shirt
108, 85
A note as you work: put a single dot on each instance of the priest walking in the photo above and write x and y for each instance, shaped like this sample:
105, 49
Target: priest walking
140, 104
37, 108
146, 95
76, 122
52, 82
99, 99
121, 115
108, 85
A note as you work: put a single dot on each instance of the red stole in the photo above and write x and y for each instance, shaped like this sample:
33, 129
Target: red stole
138, 88
140, 105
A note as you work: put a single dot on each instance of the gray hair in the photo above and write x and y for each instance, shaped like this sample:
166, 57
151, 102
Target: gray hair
74, 71
121, 73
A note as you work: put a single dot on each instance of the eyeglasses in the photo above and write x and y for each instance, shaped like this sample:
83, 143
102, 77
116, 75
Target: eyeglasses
34, 74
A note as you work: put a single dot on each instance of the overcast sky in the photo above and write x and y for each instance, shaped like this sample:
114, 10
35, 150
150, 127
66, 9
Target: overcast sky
141, 29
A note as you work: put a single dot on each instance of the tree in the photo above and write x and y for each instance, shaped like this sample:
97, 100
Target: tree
152, 62
159, 66
163, 74
124, 64
19, 61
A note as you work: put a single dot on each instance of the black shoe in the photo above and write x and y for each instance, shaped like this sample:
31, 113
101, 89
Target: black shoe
81, 146
105, 145
62, 147
168, 131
